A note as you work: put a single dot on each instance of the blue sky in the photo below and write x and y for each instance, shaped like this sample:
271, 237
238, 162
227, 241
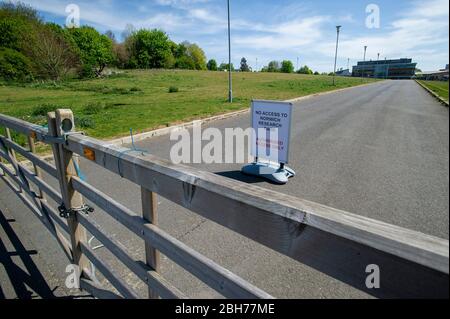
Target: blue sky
280, 29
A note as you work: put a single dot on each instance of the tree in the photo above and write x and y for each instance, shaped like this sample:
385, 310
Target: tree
190, 51
185, 62
150, 49
47, 49
111, 36
14, 65
16, 22
95, 50
316, 73
244, 67
305, 70
196, 54
274, 66
287, 66
53, 51
121, 55
212, 65
224, 67
128, 31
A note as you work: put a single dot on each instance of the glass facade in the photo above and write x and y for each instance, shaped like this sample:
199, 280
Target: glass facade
385, 69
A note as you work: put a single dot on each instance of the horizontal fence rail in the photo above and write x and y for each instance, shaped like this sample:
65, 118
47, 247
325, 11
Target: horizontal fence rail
334, 242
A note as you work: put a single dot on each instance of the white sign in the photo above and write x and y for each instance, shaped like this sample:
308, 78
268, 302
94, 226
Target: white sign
271, 122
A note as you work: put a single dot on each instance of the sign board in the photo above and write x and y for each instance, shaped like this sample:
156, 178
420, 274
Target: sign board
271, 123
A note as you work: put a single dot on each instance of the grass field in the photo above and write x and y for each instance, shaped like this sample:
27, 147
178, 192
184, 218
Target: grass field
107, 108
438, 87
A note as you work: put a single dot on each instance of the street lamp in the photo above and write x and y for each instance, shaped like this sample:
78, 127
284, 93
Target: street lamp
230, 84
335, 56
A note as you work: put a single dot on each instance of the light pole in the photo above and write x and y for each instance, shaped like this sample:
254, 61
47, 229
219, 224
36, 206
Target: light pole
338, 27
230, 84
256, 70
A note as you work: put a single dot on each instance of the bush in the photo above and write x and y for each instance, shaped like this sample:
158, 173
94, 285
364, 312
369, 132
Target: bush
305, 70
84, 122
92, 108
135, 89
173, 89
43, 109
14, 66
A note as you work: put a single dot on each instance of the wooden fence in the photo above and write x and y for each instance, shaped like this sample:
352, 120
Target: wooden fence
337, 243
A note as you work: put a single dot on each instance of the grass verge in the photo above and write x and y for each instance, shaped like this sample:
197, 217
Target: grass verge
150, 99
438, 87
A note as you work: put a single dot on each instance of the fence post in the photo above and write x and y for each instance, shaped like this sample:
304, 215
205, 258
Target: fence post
37, 170
58, 124
150, 214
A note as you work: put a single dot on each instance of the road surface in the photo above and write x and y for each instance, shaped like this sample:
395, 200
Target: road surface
380, 151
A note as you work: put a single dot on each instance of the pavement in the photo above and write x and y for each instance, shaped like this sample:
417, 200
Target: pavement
380, 151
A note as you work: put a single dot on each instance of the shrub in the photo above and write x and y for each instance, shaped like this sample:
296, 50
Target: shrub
173, 89
43, 109
135, 89
14, 66
92, 108
119, 91
84, 122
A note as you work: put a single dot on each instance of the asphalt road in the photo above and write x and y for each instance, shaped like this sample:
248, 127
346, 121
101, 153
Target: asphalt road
380, 151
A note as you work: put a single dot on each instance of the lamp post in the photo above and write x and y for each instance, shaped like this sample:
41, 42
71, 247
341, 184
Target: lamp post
338, 27
230, 84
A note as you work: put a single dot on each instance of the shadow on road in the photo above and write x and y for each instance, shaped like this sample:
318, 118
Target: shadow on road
24, 276
239, 176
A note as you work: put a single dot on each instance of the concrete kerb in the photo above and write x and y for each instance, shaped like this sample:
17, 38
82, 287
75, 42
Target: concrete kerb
433, 94
167, 130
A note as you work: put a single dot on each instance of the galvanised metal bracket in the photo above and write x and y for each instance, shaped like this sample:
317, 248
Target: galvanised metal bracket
66, 213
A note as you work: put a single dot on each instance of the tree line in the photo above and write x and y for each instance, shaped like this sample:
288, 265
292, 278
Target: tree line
33, 49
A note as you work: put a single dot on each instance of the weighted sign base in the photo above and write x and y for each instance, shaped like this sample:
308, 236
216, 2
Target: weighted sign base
272, 172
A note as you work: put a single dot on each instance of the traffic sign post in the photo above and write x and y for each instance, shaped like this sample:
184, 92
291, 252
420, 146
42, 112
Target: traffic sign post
271, 123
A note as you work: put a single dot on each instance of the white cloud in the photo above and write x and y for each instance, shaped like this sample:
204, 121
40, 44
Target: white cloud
286, 35
420, 33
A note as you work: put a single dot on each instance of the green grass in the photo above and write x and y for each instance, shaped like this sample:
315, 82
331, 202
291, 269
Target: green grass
147, 99
438, 87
